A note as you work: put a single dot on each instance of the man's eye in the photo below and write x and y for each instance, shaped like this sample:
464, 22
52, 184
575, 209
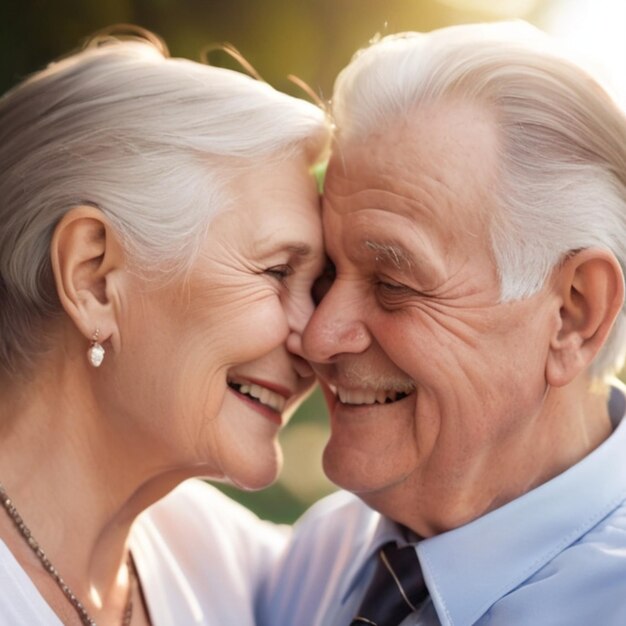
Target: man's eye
389, 289
279, 272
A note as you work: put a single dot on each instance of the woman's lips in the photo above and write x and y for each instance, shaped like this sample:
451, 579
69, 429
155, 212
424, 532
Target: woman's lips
266, 398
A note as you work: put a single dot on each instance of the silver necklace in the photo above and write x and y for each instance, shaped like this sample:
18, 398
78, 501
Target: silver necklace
85, 618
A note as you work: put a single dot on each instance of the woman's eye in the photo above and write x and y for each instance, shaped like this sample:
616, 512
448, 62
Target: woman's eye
279, 272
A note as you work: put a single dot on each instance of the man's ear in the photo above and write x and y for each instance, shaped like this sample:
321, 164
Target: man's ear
86, 255
590, 286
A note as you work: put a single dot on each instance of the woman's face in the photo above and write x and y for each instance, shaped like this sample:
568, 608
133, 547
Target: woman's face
218, 351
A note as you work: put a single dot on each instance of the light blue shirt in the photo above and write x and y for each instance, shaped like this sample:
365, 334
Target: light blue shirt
556, 556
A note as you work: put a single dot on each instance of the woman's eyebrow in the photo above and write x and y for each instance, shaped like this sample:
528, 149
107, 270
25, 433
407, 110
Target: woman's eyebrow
298, 249
269, 245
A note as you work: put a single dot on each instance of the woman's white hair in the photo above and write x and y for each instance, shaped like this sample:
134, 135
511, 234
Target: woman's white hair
562, 183
152, 141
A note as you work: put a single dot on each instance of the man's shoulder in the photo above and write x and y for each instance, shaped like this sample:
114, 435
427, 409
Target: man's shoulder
583, 584
607, 540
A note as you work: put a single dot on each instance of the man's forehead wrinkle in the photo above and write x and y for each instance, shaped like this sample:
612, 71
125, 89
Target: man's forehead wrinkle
386, 200
340, 184
354, 161
429, 195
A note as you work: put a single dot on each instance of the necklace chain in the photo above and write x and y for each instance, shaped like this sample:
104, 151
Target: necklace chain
85, 618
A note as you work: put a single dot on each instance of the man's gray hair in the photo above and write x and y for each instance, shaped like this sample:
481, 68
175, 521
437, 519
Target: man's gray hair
562, 184
152, 141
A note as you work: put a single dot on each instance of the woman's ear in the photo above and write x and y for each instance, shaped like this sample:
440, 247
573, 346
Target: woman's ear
590, 286
86, 257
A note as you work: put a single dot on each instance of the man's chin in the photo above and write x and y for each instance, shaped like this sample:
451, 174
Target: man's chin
350, 469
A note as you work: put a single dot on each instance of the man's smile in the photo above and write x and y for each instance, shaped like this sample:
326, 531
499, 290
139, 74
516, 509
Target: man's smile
369, 395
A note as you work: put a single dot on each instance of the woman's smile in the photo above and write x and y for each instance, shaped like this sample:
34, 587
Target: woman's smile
267, 398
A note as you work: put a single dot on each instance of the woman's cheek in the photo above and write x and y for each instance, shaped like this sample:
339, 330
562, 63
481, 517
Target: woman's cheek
201, 384
253, 335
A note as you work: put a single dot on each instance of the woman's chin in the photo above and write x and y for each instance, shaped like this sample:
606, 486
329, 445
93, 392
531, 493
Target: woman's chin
257, 476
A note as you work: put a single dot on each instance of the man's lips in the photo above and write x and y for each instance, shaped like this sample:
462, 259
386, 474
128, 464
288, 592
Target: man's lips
365, 396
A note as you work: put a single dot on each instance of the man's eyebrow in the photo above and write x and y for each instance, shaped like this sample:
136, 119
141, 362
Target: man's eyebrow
391, 252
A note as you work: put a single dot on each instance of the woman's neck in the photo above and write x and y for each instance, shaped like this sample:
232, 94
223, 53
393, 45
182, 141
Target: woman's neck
77, 480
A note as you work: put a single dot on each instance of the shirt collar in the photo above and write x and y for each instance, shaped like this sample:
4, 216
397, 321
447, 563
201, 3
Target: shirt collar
469, 568
380, 531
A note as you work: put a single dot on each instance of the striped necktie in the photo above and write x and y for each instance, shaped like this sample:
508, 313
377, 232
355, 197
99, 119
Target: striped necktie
396, 590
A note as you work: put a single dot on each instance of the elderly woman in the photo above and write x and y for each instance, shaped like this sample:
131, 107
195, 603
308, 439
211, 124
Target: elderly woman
159, 236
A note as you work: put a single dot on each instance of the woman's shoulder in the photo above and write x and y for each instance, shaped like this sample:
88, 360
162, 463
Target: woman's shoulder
196, 503
21, 604
198, 517
200, 553
197, 497
348, 513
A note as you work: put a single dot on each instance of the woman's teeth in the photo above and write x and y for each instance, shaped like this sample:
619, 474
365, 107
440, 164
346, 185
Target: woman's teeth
263, 395
370, 396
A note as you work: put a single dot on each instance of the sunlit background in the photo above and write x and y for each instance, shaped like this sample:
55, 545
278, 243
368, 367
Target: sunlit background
313, 39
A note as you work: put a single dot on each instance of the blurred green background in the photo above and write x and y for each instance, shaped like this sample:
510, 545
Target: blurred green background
313, 39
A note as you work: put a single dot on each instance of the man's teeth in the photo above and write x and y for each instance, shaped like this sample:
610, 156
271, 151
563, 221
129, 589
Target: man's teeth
369, 396
263, 395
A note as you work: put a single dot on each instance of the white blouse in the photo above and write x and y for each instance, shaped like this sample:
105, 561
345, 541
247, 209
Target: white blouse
201, 559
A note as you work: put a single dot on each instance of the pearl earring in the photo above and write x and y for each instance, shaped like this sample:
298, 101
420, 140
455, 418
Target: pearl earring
95, 354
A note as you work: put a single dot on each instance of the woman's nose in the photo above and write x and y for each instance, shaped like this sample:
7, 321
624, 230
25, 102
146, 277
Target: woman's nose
299, 311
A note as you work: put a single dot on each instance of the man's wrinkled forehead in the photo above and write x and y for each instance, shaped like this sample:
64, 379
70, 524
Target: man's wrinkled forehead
438, 160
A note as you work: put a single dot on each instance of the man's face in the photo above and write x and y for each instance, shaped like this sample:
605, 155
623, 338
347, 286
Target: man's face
434, 387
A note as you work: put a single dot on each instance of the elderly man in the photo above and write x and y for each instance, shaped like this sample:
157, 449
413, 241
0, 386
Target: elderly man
475, 212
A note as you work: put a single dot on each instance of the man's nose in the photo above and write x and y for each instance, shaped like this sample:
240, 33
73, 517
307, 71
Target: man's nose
336, 326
